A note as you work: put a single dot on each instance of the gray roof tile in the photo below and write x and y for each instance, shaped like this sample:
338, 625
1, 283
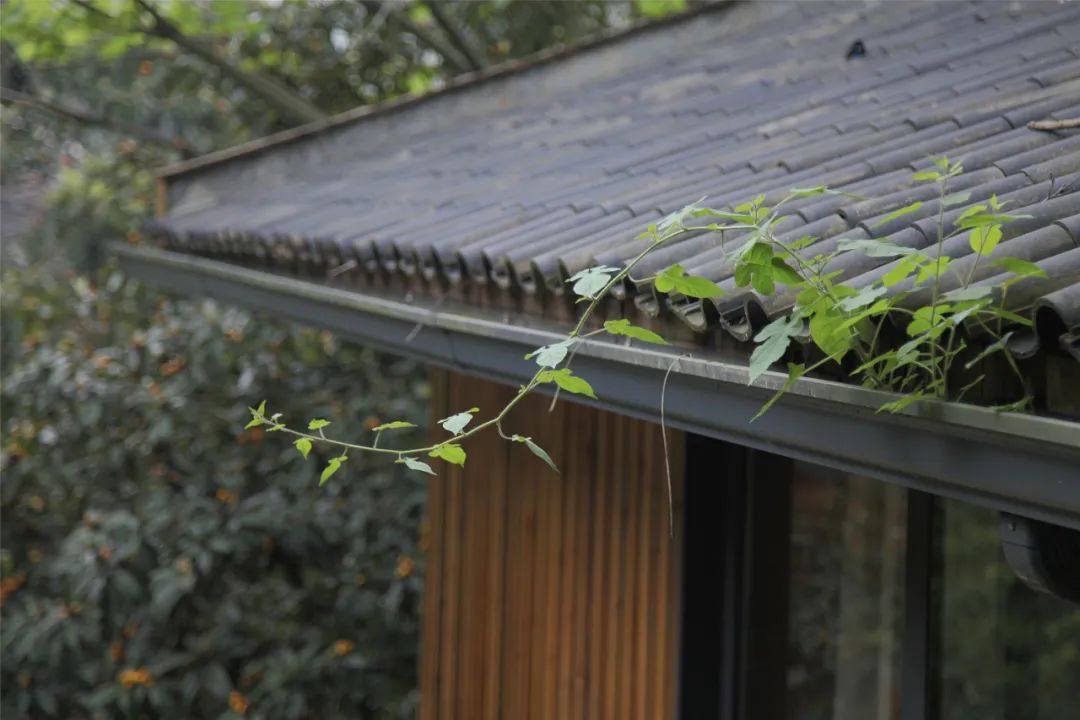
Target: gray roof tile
529, 178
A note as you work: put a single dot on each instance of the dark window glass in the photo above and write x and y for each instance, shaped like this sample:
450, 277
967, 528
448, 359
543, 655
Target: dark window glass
846, 596
1007, 652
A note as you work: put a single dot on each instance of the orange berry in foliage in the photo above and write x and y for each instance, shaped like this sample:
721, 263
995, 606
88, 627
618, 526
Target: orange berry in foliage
238, 703
131, 678
405, 567
9, 585
343, 647
172, 367
226, 497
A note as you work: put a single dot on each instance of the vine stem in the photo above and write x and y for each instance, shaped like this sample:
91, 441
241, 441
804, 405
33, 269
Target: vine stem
667, 456
826, 305
574, 336
943, 188
569, 361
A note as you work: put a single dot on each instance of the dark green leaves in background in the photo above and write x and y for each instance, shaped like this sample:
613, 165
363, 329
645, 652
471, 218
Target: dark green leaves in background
143, 534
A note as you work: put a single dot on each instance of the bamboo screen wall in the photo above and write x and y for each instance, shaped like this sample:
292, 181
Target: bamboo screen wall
551, 595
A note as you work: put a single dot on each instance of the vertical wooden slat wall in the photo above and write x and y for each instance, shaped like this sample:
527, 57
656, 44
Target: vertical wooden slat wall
551, 595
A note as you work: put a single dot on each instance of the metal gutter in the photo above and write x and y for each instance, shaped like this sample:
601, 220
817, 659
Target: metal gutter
1024, 464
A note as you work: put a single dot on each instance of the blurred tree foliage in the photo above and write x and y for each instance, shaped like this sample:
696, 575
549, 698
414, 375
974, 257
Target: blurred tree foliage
157, 562
128, 85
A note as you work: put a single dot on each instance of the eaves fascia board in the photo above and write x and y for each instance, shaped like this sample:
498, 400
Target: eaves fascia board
1025, 464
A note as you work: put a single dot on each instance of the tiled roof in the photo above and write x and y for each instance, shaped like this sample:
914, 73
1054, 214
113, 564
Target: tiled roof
498, 202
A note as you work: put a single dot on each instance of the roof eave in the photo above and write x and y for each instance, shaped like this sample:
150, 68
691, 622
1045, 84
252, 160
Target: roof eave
1023, 464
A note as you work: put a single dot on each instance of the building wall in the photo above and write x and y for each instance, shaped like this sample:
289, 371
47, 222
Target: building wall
551, 595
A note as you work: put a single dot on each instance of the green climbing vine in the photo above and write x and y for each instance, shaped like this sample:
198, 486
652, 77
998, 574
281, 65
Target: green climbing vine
936, 301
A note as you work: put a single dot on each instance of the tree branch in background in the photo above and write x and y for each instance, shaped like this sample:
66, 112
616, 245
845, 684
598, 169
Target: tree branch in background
287, 102
138, 132
474, 54
458, 61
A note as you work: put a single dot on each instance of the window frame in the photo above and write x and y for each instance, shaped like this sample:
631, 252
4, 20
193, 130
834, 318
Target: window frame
735, 621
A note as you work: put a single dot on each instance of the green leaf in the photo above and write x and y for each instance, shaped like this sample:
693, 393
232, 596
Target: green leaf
675, 219
972, 292
1000, 344
808, 297
457, 422
759, 253
971, 211
906, 210
902, 270
961, 311
864, 297
804, 242
985, 238
1010, 316
257, 415
980, 219
659, 8
414, 464
772, 342
317, 424
809, 192
784, 273
450, 452
675, 278
569, 382
303, 445
921, 319
624, 327
1020, 268
550, 356
829, 334
697, 287
795, 371
536, 450
744, 273
897, 405
590, 281
665, 281
935, 267
955, 199
740, 220
395, 425
332, 467
762, 280
926, 175
873, 248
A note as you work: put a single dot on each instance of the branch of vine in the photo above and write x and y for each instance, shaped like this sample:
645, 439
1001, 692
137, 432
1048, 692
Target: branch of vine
840, 318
